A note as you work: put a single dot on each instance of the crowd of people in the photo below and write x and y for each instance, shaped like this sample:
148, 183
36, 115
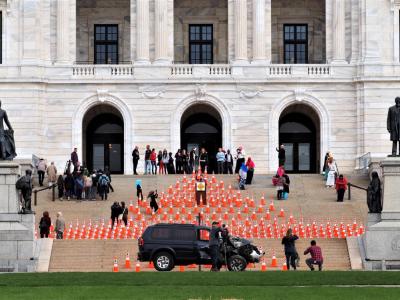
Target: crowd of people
185, 161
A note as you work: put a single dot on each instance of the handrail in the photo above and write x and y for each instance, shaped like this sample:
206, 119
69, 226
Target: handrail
349, 185
36, 191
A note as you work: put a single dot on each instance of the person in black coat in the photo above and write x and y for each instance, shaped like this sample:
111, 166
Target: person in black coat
290, 249
281, 155
170, 167
69, 184
116, 210
153, 195
44, 225
135, 159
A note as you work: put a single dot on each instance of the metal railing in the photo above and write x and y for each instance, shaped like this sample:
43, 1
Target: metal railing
349, 185
36, 191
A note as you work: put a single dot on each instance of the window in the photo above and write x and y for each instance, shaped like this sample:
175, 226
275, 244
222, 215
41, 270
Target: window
161, 234
185, 235
200, 44
295, 44
105, 44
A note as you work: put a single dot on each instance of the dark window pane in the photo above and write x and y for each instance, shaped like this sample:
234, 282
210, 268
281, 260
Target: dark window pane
185, 235
106, 44
161, 234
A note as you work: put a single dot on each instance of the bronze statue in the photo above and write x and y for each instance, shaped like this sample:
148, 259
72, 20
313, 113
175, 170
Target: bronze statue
393, 126
7, 144
24, 184
374, 195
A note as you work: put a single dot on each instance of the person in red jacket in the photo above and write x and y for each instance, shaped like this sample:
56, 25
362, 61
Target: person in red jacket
341, 187
153, 159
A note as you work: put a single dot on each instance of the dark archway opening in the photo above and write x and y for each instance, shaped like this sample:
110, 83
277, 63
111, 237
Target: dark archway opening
103, 139
299, 129
201, 127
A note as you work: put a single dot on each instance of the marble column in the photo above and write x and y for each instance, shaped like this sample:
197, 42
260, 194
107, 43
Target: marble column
62, 31
240, 31
142, 29
259, 34
161, 32
339, 31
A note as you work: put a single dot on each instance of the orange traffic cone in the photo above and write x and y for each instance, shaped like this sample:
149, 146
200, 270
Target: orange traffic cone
284, 267
137, 267
127, 261
115, 267
150, 265
282, 213
181, 268
271, 206
263, 266
274, 262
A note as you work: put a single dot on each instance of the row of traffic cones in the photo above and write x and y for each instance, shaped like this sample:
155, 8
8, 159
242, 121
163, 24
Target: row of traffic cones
127, 264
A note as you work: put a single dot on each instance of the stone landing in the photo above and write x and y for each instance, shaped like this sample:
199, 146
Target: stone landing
382, 238
16, 230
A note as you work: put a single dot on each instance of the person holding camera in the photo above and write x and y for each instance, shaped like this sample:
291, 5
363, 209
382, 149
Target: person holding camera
214, 244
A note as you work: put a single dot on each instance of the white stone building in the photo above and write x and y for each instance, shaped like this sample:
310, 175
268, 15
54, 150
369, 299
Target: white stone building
105, 75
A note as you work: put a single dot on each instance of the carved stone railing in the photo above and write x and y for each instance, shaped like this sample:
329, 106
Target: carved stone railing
83, 71
182, 70
279, 70
222, 70
102, 71
319, 70
197, 71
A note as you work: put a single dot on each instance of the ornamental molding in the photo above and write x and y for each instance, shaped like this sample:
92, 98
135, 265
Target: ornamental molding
396, 243
249, 94
299, 94
200, 91
153, 92
102, 95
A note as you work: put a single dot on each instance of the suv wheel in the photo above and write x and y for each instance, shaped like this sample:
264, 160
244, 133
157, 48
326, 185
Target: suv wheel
163, 261
237, 263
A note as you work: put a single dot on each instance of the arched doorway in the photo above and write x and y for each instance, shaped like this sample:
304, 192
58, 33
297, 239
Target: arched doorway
299, 131
103, 139
201, 127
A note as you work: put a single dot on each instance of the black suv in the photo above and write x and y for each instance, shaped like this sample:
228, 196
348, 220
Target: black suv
167, 245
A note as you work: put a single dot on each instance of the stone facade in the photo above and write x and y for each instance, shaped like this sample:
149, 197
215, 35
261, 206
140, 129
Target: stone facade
47, 94
310, 12
200, 12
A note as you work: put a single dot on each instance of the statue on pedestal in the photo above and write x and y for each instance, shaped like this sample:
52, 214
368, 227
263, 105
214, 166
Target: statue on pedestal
393, 126
7, 144
24, 184
374, 195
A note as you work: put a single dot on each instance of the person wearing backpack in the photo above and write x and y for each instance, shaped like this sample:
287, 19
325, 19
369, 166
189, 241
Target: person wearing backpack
44, 225
102, 186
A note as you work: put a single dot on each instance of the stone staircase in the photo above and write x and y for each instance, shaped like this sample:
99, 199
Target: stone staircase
98, 255
309, 200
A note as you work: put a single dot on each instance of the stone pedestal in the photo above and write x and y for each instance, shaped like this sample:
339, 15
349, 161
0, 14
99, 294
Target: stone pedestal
16, 230
382, 238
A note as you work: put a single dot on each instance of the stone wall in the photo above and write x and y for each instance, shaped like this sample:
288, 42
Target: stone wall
310, 12
200, 12
91, 12
248, 117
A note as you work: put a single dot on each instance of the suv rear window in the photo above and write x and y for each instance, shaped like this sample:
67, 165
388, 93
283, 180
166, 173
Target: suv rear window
161, 233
